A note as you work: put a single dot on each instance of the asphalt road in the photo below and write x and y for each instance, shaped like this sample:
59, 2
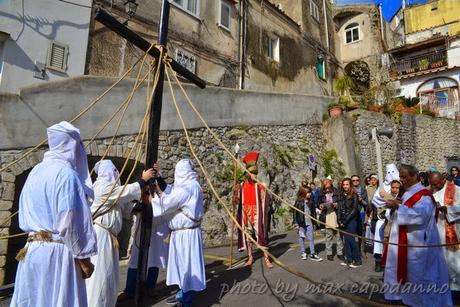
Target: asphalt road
258, 286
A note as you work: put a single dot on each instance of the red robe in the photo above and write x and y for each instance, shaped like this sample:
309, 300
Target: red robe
259, 219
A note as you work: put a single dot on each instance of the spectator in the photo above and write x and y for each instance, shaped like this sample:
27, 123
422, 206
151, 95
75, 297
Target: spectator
303, 222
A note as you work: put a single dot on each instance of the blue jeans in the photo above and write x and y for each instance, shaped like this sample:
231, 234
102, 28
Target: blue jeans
311, 242
152, 276
352, 252
185, 298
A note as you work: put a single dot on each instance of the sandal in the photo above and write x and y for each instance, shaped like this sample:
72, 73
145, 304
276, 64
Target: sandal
268, 263
250, 261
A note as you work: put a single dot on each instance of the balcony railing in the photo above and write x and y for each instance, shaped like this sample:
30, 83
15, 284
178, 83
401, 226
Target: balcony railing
418, 63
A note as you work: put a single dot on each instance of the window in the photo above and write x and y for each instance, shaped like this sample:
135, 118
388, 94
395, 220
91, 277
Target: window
352, 33
314, 10
186, 59
190, 6
321, 67
273, 48
57, 56
440, 91
225, 14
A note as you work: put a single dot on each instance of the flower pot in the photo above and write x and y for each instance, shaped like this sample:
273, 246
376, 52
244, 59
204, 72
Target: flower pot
335, 111
374, 108
408, 110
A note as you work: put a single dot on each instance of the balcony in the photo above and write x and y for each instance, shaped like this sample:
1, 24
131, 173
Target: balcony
420, 63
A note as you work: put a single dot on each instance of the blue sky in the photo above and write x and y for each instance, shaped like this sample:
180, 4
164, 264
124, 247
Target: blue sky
389, 6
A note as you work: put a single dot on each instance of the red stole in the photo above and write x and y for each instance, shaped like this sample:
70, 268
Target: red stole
402, 239
451, 231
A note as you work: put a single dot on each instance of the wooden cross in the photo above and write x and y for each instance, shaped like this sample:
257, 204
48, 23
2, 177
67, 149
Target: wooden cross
154, 124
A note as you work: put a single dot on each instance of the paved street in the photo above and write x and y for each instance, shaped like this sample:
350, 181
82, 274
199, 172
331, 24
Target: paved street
257, 286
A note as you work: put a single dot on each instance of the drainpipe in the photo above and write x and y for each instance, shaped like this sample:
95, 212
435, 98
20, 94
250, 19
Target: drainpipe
241, 47
326, 25
382, 33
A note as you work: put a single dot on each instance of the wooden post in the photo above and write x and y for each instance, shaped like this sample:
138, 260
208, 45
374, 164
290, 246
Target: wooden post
232, 227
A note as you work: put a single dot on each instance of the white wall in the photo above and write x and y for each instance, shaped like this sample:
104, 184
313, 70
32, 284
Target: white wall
409, 86
453, 53
32, 24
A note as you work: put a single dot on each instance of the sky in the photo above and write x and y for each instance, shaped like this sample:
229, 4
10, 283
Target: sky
389, 6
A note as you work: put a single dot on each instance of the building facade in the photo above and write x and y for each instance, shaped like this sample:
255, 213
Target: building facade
42, 41
244, 44
427, 63
360, 39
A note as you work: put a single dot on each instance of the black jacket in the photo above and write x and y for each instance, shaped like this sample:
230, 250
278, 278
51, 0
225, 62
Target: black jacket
348, 209
299, 218
322, 199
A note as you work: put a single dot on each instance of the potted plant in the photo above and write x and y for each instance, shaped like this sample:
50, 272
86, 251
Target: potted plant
409, 104
394, 73
374, 107
423, 64
335, 110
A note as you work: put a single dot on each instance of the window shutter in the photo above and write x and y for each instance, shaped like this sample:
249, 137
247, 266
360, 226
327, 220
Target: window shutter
57, 56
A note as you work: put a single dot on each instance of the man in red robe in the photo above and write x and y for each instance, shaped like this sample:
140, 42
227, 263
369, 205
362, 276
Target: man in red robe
252, 214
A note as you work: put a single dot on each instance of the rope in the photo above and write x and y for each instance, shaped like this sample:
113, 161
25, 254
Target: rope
216, 194
144, 122
82, 112
3, 222
242, 166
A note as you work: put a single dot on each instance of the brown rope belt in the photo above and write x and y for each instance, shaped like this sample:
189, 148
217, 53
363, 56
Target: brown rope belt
40, 236
113, 237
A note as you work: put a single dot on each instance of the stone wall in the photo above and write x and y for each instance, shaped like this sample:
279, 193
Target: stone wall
419, 140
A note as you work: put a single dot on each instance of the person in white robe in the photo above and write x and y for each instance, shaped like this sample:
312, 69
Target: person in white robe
378, 201
158, 251
417, 276
447, 195
109, 198
54, 211
184, 206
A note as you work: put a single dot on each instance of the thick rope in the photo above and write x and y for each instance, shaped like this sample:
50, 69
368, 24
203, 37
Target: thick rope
216, 194
76, 117
144, 121
242, 166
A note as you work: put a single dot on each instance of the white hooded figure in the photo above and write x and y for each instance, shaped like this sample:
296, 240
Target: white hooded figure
53, 209
184, 208
378, 201
102, 287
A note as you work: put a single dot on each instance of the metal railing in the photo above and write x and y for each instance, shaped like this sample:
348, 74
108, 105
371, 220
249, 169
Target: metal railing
421, 62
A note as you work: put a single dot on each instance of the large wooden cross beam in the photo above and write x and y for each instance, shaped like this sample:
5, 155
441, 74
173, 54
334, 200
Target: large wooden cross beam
154, 124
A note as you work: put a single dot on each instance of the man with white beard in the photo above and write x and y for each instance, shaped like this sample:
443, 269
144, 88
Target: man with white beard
53, 209
378, 201
183, 208
109, 195
447, 195
417, 276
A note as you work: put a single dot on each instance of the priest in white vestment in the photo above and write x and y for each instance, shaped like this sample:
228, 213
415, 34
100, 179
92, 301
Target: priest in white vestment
184, 206
109, 197
417, 276
447, 195
53, 209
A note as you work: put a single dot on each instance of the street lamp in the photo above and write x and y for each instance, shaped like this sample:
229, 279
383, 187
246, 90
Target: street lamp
374, 135
130, 9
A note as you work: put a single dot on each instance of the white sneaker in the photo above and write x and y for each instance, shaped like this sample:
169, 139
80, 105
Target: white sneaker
304, 256
314, 257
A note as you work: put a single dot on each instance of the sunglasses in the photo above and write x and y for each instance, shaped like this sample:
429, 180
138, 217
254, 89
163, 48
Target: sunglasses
355, 180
